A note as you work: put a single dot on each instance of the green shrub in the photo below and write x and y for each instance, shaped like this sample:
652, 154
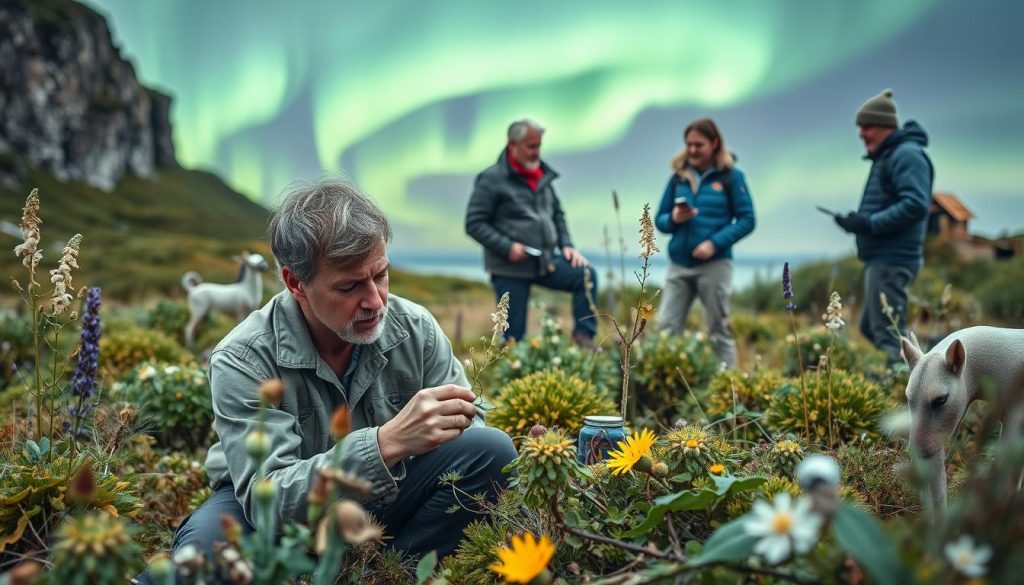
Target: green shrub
846, 354
169, 317
552, 349
1001, 294
856, 405
731, 390
660, 359
878, 472
43, 484
551, 398
759, 329
174, 400
123, 349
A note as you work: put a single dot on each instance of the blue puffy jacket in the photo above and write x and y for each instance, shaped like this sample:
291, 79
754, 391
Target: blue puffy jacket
897, 197
717, 220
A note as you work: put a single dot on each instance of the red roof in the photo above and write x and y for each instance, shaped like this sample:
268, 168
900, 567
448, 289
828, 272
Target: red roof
951, 205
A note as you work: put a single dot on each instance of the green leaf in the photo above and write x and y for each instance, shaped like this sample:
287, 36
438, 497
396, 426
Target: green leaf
729, 484
861, 535
425, 568
686, 500
729, 543
33, 451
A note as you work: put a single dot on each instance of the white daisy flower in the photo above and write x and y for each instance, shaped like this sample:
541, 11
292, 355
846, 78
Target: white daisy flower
171, 370
967, 558
784, 527
555, 339
517, 364
556, 361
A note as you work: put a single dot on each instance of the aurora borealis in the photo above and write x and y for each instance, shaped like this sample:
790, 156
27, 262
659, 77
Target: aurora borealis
412, 99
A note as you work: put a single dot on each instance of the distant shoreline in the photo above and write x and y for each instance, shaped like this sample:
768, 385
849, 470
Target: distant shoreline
469, 265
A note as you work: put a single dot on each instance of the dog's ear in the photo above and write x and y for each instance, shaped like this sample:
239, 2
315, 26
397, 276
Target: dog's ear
955, 358
909, 351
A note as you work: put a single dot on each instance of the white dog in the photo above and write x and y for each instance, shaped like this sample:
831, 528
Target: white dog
239, 298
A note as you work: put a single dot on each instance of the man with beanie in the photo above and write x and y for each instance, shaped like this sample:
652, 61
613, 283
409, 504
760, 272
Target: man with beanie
516, 216
892, 218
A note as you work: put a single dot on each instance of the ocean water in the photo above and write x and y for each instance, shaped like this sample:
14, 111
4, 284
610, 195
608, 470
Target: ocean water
469, 265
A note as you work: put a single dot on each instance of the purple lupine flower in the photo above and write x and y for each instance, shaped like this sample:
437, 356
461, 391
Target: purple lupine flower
787, 287
83, 381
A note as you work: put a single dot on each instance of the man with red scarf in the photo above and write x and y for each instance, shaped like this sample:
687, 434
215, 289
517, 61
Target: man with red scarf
515, 215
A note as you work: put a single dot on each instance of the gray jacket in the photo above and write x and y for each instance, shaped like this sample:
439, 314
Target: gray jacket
503, 209
411, 354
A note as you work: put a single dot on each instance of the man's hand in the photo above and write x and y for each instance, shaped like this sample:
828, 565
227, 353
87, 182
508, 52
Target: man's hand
516, 253
682, 214
573, 257
855, 223
704, 250
431, 418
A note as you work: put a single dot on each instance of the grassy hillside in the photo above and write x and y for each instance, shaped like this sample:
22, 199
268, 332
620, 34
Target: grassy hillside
141, 237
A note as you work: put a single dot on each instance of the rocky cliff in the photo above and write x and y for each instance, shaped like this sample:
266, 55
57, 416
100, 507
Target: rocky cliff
70, 104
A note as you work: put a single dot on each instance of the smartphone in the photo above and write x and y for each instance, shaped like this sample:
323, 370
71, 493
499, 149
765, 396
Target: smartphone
532, 251
681, 201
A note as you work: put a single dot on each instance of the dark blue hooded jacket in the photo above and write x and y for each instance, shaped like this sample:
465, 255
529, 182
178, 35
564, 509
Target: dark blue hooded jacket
897, 204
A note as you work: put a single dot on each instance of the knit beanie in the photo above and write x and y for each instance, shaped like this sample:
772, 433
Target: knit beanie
878, 111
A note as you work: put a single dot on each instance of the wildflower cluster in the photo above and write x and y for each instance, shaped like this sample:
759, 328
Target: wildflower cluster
495, 349
61, 276
833, 316
787, 288
28, 250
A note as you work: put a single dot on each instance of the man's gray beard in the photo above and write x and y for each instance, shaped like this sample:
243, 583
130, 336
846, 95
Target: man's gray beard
531, 166
349, 335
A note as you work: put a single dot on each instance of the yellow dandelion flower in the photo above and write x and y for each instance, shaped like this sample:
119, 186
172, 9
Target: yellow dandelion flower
535, 343
630, 452
692, 444
526, 559
717, 468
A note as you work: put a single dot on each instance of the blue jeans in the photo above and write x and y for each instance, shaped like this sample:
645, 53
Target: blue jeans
417, 521
563, 277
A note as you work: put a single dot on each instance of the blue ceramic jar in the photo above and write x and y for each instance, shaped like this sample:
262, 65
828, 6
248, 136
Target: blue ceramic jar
599, 435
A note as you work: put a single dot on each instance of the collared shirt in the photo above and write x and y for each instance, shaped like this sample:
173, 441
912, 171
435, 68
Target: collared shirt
412, 353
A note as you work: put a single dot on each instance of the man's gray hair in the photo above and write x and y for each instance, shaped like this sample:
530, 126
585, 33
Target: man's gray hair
517, 130
329, 219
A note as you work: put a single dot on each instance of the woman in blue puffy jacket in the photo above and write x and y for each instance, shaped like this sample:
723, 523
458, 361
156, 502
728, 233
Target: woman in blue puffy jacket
707, 208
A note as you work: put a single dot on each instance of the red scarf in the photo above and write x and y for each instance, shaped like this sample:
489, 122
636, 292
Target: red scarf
532, 176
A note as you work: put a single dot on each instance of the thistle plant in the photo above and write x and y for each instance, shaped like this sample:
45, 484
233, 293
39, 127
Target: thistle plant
493, 352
